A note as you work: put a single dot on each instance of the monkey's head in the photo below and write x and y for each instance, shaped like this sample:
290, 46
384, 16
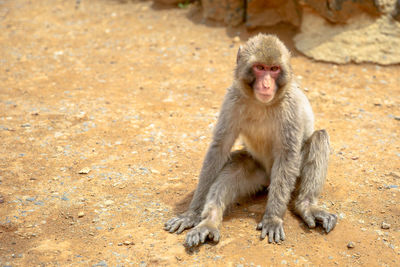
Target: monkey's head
263, 68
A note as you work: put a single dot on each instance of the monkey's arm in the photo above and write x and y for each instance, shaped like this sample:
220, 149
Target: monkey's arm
224, 136
285, 170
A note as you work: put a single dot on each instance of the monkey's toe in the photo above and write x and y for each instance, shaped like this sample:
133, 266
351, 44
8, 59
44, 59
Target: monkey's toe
310, 221
327, 220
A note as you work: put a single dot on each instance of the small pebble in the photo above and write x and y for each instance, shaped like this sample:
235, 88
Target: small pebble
236, 39
108, 202
81, 214
385, 225
127, 243
350, 245
85, 170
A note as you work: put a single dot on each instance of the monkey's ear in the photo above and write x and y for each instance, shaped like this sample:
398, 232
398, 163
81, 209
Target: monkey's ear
238, 55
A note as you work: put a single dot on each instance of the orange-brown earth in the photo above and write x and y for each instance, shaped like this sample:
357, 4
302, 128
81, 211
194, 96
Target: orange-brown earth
131, 91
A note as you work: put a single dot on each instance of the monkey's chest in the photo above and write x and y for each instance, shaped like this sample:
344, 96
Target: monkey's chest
260, 138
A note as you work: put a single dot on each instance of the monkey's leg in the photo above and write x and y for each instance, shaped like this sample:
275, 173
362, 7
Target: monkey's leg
240, 176
312, 179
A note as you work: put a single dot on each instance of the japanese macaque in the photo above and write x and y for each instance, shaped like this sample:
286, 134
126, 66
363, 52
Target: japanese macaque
266, 108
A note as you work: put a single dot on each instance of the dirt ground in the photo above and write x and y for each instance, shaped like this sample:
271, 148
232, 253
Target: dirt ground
130, 91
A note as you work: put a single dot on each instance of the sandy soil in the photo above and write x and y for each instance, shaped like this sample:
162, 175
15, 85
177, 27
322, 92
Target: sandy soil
131, 91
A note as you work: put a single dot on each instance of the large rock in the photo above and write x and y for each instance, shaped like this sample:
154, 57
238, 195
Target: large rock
362, 39
231, 12
271, 12
340, 11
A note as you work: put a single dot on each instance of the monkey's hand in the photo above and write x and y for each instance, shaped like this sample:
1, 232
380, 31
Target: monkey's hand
200, 233
183, 221
273, 226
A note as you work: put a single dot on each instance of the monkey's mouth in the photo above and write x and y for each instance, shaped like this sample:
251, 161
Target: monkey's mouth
264, 97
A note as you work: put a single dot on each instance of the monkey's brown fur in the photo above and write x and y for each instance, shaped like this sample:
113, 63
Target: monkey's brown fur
282, 151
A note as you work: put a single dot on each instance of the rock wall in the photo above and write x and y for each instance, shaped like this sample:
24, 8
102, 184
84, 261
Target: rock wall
339, 31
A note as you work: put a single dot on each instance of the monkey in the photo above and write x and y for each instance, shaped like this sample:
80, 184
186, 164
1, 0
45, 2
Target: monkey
282, 152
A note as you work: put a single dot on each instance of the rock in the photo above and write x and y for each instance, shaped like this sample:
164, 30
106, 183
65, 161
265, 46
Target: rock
267, 13
85, 170
350, 245
361, 39
231, 12
81, 214
340, 11
385, 225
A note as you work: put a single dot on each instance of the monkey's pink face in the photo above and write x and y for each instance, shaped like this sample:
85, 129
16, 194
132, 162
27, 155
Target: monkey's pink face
265, 84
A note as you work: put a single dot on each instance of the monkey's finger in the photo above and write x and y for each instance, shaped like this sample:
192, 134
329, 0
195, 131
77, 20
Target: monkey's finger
166, 226
259, 226
310, 221
174, 227
332, 223
182, 227
174, 221
203, 236
211, 235
325, 222
270, 236
195, 239
171, 221
263, 233
283, 236
188, 240
277, 235
216, 237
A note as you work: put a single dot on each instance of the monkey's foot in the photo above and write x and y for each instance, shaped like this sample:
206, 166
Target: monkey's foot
325, 219
273, 226
181, 222
200, 234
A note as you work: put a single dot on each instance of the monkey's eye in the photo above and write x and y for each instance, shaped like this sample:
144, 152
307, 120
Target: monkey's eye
259, 67
274, 68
